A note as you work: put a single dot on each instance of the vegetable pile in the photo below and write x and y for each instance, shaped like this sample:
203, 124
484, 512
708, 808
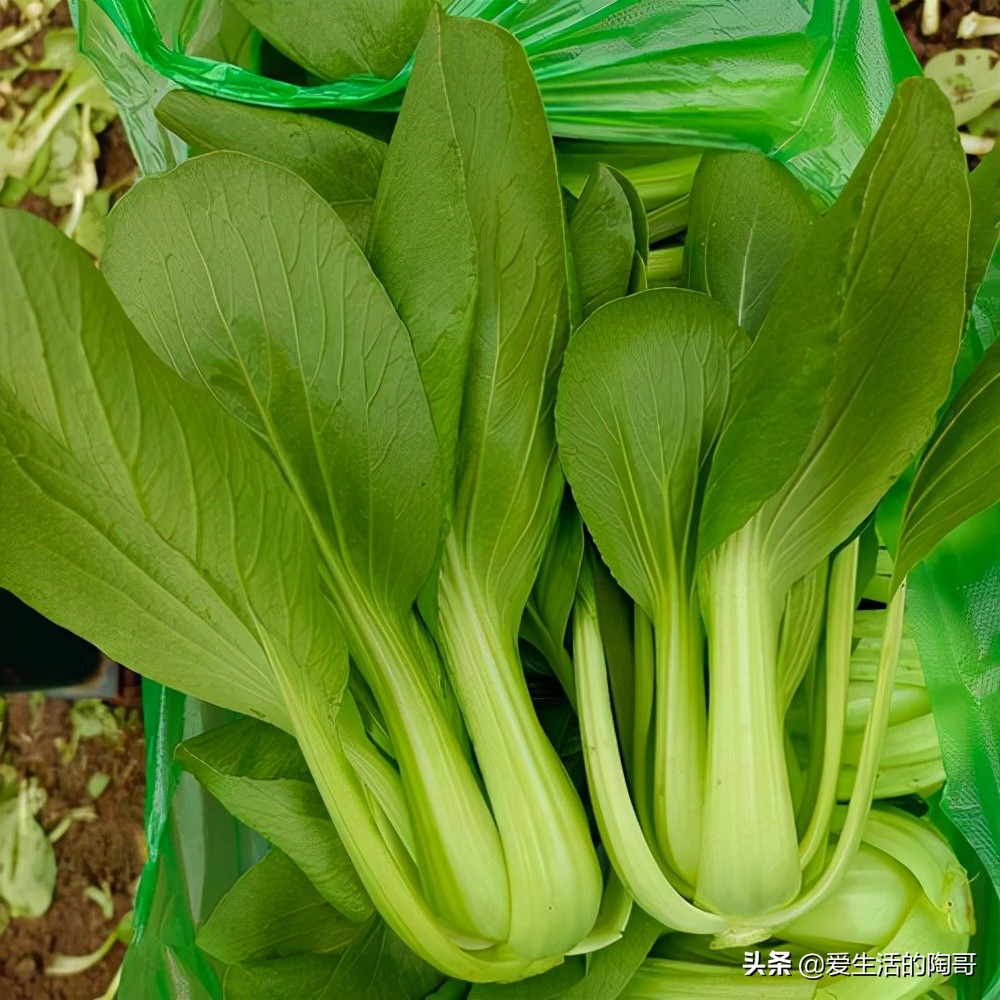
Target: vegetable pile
398, 450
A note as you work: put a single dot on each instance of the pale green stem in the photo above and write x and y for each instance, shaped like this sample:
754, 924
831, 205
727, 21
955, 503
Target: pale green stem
376, 773
839, 635
554, 876
669, 219
657, 183
665, 267
390, 884
642, 728
621, 833
459, 854
750, 847
679, 737
856, 815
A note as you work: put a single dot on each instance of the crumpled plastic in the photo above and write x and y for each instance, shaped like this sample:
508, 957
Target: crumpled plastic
805, 81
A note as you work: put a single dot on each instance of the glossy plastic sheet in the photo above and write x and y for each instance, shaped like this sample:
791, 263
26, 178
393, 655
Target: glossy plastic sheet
804, 80
954, 608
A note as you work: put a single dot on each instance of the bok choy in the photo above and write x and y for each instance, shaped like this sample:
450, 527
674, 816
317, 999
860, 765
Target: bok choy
389, 464
724, 482
529, 546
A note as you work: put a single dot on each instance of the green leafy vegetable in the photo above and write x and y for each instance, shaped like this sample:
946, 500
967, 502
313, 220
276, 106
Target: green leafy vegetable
749, 218
301, 448
959, 475
876, 366
630, 450
341, 40
345, 416
178, 544
507, 485
732, 515
274, 911
342, 164
284, 334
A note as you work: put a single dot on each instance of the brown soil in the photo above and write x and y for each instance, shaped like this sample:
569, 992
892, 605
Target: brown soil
109, 849
952, 12
115, 163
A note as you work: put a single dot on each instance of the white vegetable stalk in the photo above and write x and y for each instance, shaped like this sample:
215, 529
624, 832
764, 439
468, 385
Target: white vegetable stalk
750, 847
467, 888
679, 730
555, 881
904, 892
975, 25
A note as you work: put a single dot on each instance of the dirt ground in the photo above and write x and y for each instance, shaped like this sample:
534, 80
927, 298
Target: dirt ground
115, 162
106, 851
952, 12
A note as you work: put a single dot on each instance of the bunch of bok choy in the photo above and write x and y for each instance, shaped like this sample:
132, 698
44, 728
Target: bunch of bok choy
300, 448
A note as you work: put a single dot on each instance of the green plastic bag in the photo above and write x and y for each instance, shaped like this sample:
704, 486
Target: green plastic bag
953, 604
782, 76
807, 82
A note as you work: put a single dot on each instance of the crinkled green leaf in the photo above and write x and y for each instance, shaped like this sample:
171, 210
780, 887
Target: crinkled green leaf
342, 164
377, 966
861, 337
959, 475
135, 512
641, 398
749, 217
243, 278
602, 239
337, 40
274, 911
259, 774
